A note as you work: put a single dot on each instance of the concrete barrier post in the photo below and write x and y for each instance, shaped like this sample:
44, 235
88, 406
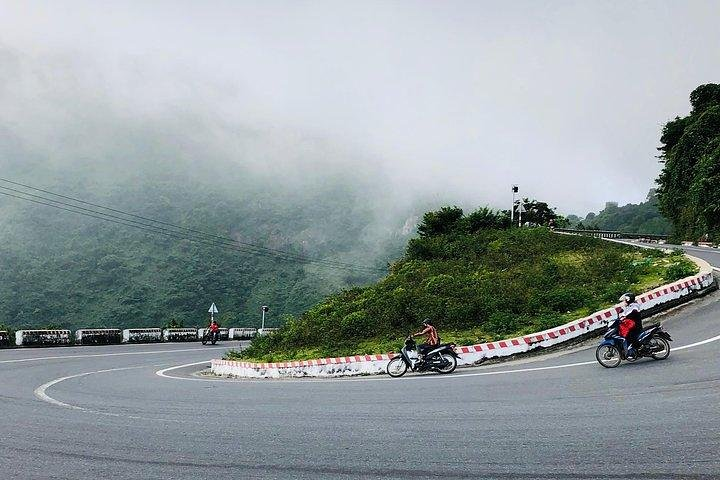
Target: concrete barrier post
42, 338
142, 335
242, 333
180, 335
98, 336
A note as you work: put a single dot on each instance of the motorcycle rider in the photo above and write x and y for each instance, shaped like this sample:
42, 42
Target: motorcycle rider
431, 339
630, 323
214, 329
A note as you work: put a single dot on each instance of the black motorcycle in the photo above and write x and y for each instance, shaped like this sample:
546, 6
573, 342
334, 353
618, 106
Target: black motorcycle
653, 342
442, 359
210, 336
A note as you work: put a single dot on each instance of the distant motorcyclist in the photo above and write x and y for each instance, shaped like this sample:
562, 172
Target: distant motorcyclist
214, 328
630, 323
431, 338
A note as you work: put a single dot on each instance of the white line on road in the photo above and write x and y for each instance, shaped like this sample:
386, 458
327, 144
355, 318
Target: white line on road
702, 342
41, 393
108, 354
163, 372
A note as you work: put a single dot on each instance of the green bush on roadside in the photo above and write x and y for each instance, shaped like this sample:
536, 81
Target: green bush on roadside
482, 286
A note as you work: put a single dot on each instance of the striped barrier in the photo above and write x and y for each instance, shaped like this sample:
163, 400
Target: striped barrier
472, 354
4, 338
142, 335
180, 335
42, 338
242, 333
98, 336
266, 331
224, 333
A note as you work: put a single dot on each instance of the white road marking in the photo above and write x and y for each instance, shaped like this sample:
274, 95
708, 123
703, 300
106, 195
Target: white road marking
19, 360
702, 342
163, 372
41, 393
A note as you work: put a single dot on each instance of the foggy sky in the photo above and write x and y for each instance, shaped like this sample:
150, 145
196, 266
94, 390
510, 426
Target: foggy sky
448, 99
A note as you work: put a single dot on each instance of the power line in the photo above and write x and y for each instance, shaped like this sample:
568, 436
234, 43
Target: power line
167, 233
199, 232
196, 235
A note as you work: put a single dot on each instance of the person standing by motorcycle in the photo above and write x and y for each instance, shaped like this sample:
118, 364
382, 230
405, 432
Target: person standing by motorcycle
630, 323
431, 338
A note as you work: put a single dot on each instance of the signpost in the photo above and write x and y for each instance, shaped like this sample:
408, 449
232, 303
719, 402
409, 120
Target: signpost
512, 208
521, 209
264, 309
213, 310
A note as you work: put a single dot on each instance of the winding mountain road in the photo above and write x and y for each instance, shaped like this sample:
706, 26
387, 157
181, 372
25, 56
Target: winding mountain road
104, 412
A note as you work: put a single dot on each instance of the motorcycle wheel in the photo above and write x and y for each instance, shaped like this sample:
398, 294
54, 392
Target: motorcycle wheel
214, 339
396, 367
450, 365
204, 340
659, 342
608, 356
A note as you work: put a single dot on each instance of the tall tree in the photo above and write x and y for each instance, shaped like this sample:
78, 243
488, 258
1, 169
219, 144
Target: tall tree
689, 184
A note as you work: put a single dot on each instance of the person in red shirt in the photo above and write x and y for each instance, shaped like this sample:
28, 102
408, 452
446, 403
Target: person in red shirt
630, 324
431, 338
214, 329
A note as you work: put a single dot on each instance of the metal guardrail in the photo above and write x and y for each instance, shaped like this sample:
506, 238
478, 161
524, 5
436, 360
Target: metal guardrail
615, 234
111, 336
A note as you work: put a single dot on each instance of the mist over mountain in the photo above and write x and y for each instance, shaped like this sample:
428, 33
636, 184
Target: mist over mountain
61, 131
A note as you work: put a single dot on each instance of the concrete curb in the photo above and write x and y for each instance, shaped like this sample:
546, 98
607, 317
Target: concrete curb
661, 298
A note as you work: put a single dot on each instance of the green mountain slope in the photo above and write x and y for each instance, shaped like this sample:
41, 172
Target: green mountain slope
66, 269
631, 218
477, 283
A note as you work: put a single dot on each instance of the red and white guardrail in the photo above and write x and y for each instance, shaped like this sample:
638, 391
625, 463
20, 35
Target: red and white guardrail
472, 354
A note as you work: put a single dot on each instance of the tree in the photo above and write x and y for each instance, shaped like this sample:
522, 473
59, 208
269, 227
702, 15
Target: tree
484, 218
538, 213
440, 222
689, 184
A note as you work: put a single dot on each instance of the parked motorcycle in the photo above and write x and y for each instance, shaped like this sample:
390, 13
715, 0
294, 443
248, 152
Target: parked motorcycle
441, 359
210, 336
653, 342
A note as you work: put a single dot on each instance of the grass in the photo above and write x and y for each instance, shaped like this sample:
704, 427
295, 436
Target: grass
476, 297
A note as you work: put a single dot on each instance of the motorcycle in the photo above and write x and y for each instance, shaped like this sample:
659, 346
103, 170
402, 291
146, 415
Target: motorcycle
653, 342
441, 358
210, 336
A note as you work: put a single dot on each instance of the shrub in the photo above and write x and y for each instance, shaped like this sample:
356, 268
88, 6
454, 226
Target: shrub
679, 269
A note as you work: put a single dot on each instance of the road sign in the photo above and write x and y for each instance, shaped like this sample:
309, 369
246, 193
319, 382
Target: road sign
521, 209
213, 309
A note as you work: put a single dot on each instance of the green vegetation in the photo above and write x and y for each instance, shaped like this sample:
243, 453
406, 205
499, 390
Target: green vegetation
641, 218
689, 184
75, 271
477, 283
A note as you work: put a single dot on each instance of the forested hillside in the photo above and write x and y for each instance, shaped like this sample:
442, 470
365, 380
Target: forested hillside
478, 281
631, 218
182, 165
689, 184
67, 269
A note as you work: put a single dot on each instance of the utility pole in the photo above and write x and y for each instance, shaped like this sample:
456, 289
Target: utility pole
264, 309
512, 208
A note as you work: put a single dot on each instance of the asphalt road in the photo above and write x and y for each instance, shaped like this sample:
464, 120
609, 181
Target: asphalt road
103, 412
